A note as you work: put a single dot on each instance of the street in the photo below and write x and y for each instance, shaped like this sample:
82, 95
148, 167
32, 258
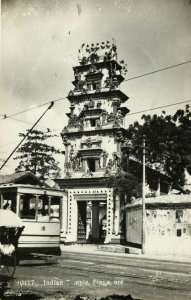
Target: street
100, 275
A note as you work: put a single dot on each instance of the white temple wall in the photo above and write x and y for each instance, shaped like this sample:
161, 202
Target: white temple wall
107, 145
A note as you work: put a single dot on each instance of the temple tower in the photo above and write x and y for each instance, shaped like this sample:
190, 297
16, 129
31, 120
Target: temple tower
92, 142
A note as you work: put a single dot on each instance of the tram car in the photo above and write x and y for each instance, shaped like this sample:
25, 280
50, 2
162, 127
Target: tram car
40, 210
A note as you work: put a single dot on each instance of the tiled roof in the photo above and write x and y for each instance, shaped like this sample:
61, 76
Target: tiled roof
163, 199
149, 167
13, 178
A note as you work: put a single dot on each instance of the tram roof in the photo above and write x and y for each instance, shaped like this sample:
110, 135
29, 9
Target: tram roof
28, 188
25, 177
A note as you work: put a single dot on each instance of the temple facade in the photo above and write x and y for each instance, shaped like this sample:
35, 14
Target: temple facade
92, 140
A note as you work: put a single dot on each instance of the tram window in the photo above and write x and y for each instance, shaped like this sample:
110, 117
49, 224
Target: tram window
55, 208
8, 201
27, 208
43, 206
9, 204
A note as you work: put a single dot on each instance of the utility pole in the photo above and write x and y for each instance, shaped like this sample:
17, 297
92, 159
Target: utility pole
143, 199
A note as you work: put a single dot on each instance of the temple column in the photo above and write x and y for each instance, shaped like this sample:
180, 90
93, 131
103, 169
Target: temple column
95, 220
66, 152
96, 164
109, 216
72, 218
116, 215
84, 165
115, 105
72, 107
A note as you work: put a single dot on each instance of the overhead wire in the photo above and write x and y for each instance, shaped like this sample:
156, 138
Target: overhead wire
156, 71
154, 108
35, 107
133, 113
30, 123
63, 98
129, 114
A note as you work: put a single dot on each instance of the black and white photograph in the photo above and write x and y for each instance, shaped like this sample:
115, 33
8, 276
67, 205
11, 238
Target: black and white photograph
95, 150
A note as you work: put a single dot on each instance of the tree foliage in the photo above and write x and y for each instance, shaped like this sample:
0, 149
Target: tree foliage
168, 141
123, 182
36, 155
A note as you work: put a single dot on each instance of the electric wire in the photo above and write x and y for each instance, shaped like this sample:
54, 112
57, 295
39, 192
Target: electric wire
132, 78
133, 113
156, 71
138, 112
26, 110
154, 108
30, 123
129, 114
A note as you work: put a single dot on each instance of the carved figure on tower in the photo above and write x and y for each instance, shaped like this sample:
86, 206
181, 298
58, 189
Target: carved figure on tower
94, 53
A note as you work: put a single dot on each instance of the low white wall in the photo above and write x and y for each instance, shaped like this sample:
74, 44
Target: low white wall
168, 246
167, 225
166, 235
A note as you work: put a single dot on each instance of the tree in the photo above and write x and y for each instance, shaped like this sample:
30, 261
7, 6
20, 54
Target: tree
124, 186
167, 142
37, 156
123, 183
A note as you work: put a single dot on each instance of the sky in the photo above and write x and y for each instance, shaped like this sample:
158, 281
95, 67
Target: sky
39, 46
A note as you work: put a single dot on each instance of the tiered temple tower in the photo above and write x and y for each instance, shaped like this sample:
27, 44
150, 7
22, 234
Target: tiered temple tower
93, 139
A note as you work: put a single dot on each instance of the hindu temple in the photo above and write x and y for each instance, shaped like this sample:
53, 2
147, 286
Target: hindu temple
92, 139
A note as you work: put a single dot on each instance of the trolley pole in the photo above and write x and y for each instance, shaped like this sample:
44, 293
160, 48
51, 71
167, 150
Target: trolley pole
143, 199
50, 106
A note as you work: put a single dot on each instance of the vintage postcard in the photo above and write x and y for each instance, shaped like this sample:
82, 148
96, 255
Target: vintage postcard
95, 149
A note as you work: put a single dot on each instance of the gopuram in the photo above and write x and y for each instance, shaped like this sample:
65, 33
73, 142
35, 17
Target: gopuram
93, 139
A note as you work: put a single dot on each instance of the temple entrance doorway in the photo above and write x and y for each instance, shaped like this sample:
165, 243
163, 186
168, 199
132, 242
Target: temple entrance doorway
92, 222
81, 229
